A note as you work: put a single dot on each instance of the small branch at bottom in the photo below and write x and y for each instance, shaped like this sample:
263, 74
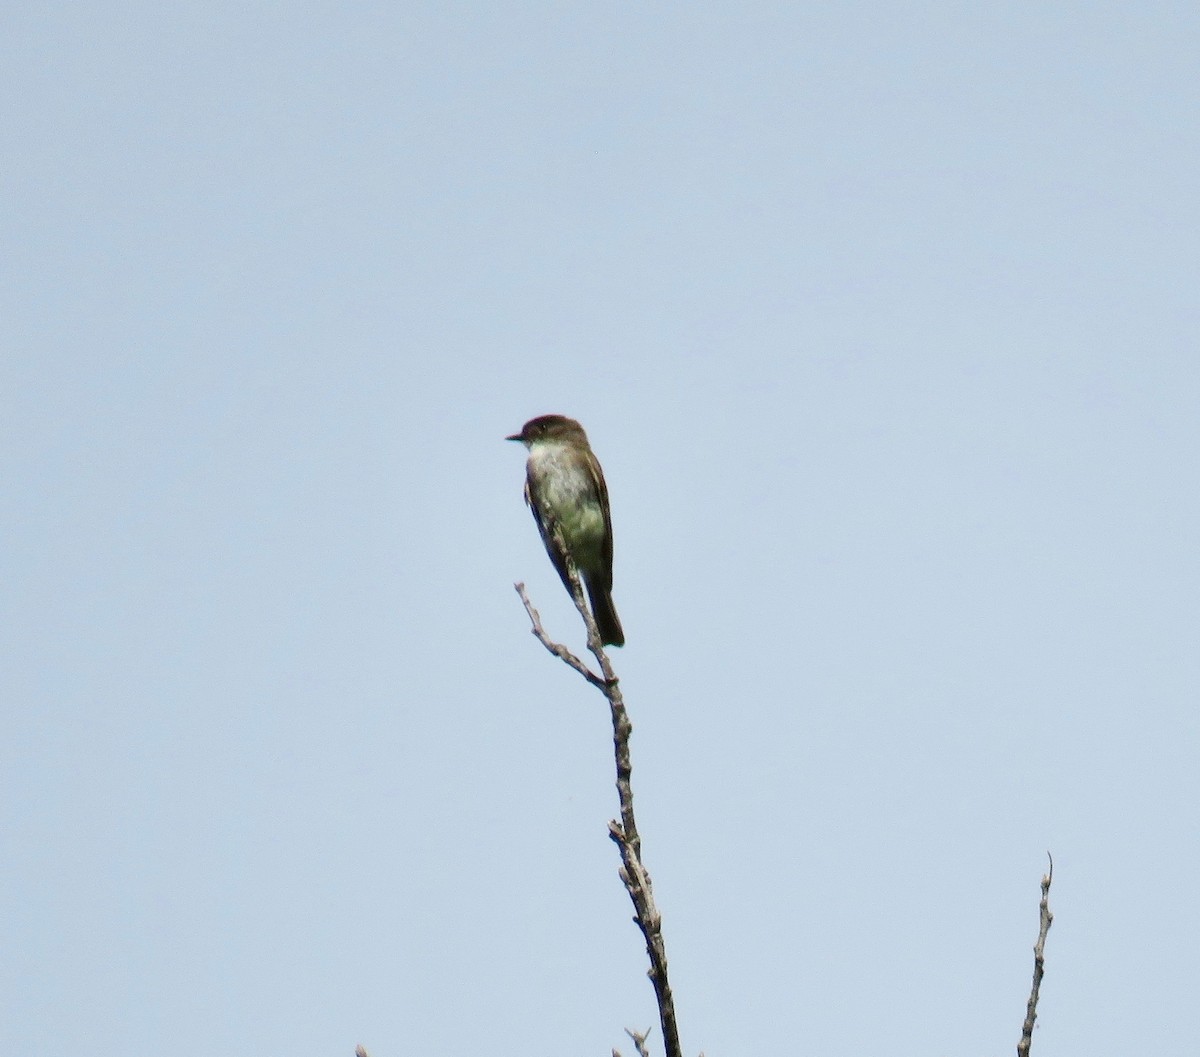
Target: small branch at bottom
1039, 963
639, 1040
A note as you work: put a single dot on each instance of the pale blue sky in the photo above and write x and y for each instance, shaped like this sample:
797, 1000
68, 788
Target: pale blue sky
882, 319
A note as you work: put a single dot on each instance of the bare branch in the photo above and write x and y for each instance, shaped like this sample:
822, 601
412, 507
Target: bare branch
624, 833
1039, 963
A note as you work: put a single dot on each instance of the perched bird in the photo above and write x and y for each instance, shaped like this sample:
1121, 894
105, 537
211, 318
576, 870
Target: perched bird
565, 488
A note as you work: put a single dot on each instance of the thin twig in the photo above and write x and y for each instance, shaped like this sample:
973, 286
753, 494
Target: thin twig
624, 833
559, 651
1039, 963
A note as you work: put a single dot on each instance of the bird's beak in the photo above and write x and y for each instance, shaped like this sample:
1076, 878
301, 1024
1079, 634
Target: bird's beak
515, 436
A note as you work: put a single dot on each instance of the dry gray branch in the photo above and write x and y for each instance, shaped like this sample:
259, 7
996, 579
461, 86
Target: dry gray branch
624, 832
1039, 963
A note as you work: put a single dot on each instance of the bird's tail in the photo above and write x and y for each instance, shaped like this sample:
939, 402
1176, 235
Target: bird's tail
605, 614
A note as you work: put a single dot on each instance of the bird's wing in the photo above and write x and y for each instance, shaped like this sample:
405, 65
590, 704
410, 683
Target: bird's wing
546, 529
605, 577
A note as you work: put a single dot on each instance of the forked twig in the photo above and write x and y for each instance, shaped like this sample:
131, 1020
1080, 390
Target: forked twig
639, 1040
624, 832
560, 651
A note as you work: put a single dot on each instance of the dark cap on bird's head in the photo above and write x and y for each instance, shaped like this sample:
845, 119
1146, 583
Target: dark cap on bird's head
550, 427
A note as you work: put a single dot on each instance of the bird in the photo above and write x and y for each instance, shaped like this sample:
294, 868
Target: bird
565, 489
